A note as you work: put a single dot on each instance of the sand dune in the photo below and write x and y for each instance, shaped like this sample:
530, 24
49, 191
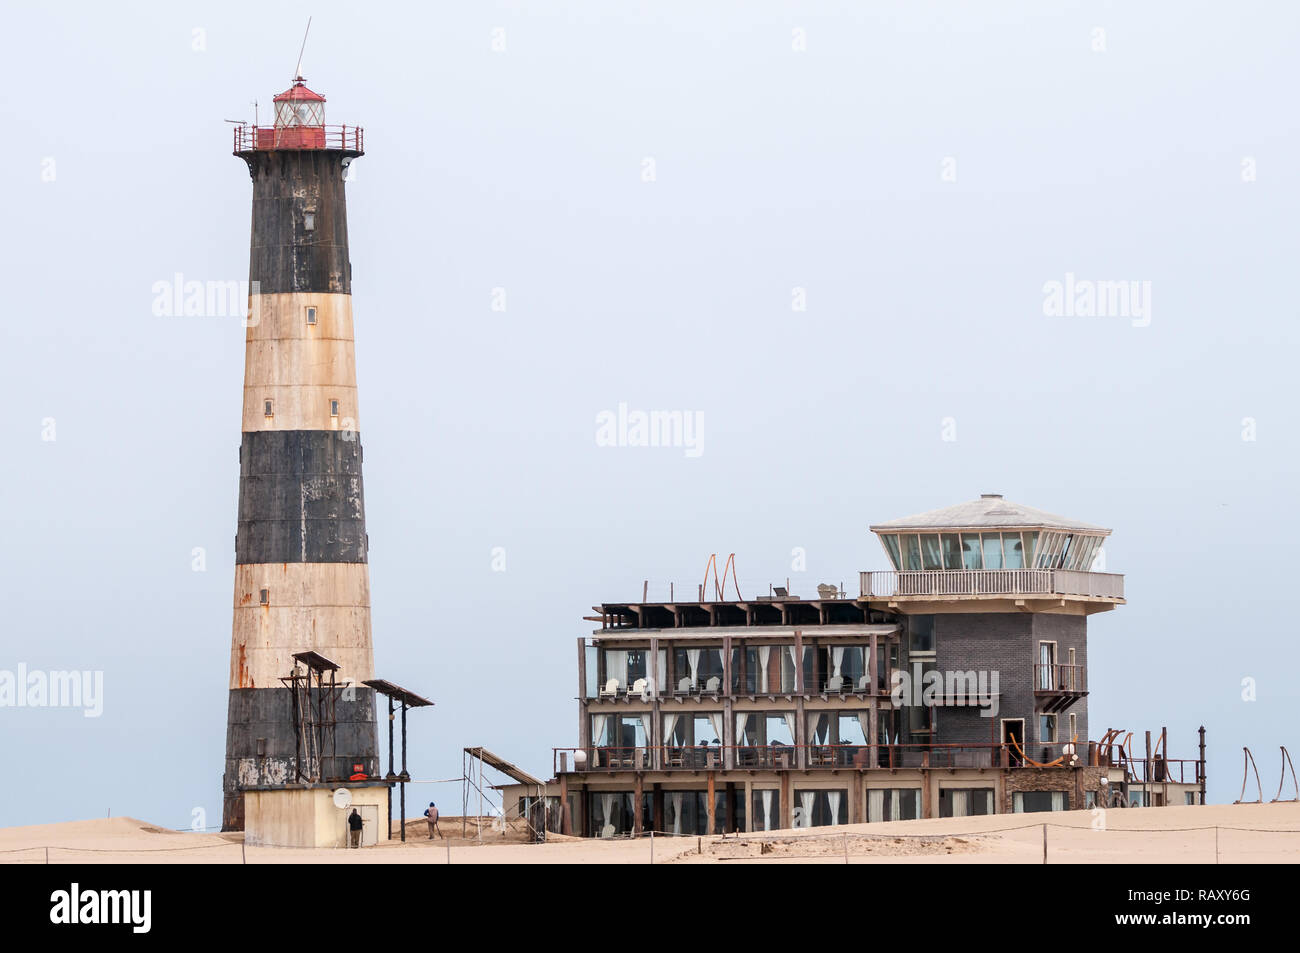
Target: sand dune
1247, 833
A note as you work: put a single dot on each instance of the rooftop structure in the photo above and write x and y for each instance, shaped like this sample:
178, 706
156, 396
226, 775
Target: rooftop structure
927, 694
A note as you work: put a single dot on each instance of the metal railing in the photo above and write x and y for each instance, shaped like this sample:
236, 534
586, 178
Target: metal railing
984, 582
1060, 678
265, 138
778, 757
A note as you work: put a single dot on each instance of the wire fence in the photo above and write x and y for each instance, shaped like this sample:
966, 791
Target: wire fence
844, 838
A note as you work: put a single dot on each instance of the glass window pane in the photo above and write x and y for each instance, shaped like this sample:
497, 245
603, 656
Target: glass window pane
1013, 555
891, 547
992, 551
930, 552
1031, 541
911, 552
951, 551
970, 551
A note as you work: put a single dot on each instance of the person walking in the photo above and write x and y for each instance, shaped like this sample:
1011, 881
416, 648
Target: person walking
432, 814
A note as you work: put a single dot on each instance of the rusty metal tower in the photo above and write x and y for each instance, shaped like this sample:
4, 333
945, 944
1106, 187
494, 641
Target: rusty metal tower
301, 578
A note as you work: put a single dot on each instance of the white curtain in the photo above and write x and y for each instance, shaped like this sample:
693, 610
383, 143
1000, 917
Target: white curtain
794, 665
1058, 800
607, 809
959, 808
875, 806
834, 798
647, 725
676, 798
837, 661
693, 660
670, 725
767, 810
864, 722
815, 719
1018, 803
764, 654
790, 726
741, 721
806, 800
616, 666
715, 719
598, 725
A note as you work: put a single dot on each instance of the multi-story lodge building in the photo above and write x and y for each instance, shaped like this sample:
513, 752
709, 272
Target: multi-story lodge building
954, 683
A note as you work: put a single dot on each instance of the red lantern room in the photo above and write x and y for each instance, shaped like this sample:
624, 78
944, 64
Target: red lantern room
299, 124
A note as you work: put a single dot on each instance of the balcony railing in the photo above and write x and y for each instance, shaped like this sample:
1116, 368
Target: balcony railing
1061, 678
264, 138
988, 582
777, 757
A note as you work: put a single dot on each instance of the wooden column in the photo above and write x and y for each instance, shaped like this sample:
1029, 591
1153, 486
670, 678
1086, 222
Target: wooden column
638, 797
566, 822
711, 804
787, 809
798, 662
726, 665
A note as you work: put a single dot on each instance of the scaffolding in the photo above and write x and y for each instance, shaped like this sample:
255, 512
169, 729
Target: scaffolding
313, 712
474, 760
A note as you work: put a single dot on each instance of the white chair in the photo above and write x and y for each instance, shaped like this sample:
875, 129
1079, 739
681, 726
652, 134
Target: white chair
712, 685
835, 684
863, 684
684, 686
611, 688
639, 688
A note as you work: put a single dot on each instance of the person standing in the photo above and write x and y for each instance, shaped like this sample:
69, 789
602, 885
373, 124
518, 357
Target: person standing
354, 827
432, 815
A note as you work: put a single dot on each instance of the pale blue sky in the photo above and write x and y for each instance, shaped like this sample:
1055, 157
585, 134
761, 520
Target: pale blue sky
775, 169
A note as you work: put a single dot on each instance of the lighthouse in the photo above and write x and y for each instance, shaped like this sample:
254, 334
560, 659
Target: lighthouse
301, 578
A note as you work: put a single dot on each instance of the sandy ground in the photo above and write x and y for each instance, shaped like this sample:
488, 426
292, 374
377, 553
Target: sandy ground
1247, 833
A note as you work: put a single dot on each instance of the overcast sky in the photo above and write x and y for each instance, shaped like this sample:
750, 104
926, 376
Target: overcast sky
911, 175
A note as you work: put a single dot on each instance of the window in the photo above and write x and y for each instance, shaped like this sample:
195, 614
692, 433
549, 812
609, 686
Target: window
1013, 552
911, 552
893, 804
686, 812
930, 558
697, 670
1046, 665
821, 808
1033, 802
767, 810
266, 409
965, 802
266, 597
891, 547
992, 548
309, 221
920, 630
1047, 729
311, 315
951, 551
1074, 726
334, 408
970, 551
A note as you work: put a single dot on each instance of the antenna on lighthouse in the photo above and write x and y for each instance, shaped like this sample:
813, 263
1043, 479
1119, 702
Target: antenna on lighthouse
297, 70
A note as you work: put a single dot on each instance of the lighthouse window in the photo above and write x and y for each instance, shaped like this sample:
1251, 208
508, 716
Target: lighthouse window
266, 408
311, 315
334, 408
309, 221
266, 597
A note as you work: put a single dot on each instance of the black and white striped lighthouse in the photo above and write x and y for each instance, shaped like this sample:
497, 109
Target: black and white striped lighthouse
301, 580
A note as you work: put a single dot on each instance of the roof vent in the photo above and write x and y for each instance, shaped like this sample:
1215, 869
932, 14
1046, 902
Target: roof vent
990, 496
